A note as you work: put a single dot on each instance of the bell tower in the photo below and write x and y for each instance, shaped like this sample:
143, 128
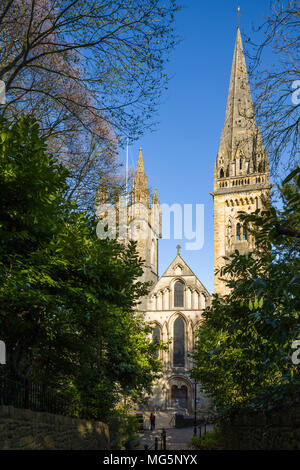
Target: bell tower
144, 222
241, 173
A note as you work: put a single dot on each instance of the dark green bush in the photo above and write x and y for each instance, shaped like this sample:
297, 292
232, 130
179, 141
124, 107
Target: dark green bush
123, 430
209, 441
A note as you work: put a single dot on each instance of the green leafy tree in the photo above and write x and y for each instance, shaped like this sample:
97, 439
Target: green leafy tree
244, 346
90, 71
67, 298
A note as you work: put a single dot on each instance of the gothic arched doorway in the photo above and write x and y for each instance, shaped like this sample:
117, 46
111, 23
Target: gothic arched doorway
179, 396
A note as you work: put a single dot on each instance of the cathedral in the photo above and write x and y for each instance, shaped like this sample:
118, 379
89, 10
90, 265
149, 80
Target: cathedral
177, 299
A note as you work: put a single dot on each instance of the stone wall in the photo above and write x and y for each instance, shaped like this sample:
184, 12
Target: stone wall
278, 430
26, 429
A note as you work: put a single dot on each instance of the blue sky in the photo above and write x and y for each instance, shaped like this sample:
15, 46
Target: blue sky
179, 156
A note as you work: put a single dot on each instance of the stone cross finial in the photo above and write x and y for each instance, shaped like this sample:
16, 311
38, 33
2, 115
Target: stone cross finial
178, 249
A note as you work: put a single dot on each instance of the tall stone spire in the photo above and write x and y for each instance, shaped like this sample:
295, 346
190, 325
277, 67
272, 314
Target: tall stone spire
140, 190
239, 111
241, 148
241, 174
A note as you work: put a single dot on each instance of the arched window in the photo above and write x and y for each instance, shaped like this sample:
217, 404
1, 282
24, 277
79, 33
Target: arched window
221, 173
178, 343
156, 337
227, 171
238, 231
241, 163
179, 294
245, 232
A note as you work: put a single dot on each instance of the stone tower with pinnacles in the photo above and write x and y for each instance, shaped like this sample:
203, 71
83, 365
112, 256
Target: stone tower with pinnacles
144, 221
241, 174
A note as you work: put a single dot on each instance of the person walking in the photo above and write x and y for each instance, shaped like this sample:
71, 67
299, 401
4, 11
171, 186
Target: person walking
152, 422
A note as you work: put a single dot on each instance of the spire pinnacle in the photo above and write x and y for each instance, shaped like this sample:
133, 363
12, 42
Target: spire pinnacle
155, 197
140, 163
140, 191
239, 118
241, 150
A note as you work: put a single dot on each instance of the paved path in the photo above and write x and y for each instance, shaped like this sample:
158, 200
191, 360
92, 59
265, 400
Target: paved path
177, 439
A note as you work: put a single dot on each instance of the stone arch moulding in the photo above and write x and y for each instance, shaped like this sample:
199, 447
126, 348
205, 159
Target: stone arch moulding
183, 391
154, 323
203, 300
173, 318
175, 279
196, 299
178, 268
178, 379
197, 325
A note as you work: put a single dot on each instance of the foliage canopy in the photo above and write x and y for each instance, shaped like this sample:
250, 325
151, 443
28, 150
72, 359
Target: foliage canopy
67, 298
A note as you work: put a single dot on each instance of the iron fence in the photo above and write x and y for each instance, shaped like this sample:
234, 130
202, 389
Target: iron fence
38, 397
155, 444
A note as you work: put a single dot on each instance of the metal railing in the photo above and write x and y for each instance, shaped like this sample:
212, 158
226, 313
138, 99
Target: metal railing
155, 444
38, 397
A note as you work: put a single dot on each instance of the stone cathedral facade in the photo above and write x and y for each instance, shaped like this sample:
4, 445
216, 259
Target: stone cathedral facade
176, 302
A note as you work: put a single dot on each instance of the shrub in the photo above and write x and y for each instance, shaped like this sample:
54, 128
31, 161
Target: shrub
209, 441
123, 430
